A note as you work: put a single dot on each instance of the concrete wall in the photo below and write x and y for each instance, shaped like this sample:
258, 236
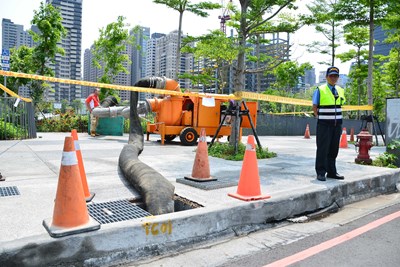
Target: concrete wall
294, 125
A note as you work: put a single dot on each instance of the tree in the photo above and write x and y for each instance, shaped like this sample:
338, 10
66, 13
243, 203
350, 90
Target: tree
326, 21
181, 6
364, 13
20, 61
391, 68
77, 106
287, 75
109, 53
48, 20
215, 49
255, 17
358, 37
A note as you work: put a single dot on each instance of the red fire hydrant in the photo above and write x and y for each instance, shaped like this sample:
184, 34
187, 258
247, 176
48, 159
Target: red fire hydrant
364, 145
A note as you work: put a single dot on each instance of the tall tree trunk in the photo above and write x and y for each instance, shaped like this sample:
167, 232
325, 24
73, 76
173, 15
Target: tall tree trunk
333, 44
239, 76
178, 48
370, 58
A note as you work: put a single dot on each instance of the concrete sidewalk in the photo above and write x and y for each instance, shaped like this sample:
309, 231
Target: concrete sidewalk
32, 167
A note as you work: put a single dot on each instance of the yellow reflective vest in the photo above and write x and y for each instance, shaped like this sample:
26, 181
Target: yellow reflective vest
330, 106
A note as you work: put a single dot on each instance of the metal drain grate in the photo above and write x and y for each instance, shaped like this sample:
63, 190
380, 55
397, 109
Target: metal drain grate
9, 191
210, 185
116, 211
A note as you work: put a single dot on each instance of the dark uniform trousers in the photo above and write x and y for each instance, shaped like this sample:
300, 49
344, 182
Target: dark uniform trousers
328, 139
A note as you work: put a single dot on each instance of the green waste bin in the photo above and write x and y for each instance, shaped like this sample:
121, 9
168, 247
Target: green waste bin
109, 126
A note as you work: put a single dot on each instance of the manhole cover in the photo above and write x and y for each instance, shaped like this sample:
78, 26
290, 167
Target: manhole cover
115, 211
9, 191
220, 183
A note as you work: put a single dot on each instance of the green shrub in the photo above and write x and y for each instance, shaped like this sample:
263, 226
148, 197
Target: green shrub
143, 121
387, 159
10, 131
63, 122
226, 151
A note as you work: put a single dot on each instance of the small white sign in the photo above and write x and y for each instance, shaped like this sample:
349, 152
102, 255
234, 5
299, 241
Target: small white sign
17, 102
57, 105
208, 102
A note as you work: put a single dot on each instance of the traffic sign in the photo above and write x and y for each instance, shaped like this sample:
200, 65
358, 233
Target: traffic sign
5, 52
5, 59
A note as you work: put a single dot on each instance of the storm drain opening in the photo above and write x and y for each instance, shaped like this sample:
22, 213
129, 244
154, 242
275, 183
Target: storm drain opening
182, 204
210, 185
116, 211
9, 191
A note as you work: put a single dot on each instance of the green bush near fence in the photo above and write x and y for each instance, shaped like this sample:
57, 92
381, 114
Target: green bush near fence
143, 121
63, 122
10, 131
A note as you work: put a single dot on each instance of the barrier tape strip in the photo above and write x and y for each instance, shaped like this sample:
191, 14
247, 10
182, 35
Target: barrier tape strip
274, 98
236, 96
8, 91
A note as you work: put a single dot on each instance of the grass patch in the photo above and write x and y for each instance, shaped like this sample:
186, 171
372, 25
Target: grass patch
226, 151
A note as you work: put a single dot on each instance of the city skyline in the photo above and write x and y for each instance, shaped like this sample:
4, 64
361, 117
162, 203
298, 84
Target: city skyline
159, 19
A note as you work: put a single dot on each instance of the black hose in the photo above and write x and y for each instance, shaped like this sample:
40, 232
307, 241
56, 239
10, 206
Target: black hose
109, 101
156, 190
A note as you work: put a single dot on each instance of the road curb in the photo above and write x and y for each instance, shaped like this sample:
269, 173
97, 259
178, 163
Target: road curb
147, 237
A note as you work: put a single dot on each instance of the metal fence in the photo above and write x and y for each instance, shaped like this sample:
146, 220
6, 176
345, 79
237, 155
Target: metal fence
17, 120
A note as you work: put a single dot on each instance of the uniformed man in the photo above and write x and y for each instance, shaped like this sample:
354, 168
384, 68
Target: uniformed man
327, 106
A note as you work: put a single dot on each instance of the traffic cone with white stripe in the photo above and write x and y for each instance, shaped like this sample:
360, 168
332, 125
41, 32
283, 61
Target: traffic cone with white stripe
249, 183
88, 196
201, 166
70, 215
343, 139
307, 132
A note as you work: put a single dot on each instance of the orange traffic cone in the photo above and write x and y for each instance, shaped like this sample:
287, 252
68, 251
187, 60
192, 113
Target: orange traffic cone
249, 182
307, 132
88, 196
201, 166
343, 139
70, 214
352, 135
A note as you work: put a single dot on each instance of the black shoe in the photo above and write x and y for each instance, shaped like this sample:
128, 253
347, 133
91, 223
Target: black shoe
321, 178
335, 176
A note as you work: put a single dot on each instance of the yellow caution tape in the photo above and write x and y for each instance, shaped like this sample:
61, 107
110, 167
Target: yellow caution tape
350, 108
291, 113
114, 86
8, 91
236, 96
274, 98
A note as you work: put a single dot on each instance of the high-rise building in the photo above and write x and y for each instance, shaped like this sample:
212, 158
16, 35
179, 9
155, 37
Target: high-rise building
166, 48
380, 46
14, 36
278, 48
138, 59
151, 54
68, 66
309, 78
322, 77
92, 74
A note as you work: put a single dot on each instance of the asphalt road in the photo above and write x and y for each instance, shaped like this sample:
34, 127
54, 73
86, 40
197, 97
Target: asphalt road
372, 240
345, 238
